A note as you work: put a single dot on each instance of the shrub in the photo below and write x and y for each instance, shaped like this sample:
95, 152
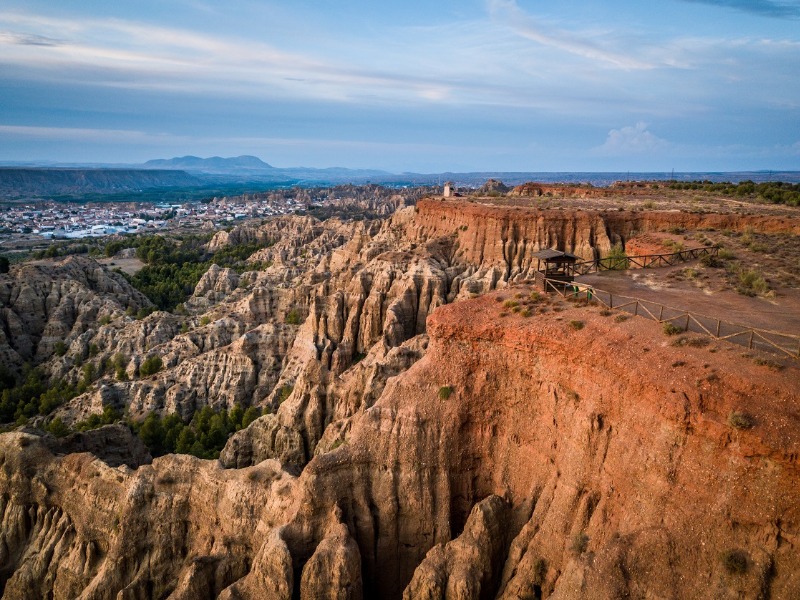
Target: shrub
58, 428
621, 318
539, 571
109, 415
735, 561
150, 366
285, 392
725, 254
580, 541
444, 392
617, 259
751, 283
766, 362
740, 420
145, 312
693, 342
205, 320
510, 304
672, 329
576, 325
60, 348
293, 317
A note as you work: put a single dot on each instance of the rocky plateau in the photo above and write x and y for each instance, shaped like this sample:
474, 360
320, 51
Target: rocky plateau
420, 441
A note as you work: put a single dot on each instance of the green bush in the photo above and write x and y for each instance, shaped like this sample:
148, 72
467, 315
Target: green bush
445, 391
576, 325
60, 348
740, 420
58, 428
672, 329
285, 392
617, 259
150, 366
109, 415
751, 283
293, 317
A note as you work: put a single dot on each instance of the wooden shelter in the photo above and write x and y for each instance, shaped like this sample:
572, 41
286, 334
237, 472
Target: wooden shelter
554, 264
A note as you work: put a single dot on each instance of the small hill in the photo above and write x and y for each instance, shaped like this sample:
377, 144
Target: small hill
215, 164
17, 182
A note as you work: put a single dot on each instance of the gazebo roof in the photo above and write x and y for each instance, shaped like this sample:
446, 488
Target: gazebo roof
551, 254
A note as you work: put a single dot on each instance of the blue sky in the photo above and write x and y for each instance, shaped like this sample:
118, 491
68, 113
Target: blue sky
511, 85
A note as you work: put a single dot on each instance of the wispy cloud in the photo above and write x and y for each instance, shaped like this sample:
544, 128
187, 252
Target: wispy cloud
8, 37
579, 44
86, 134
155, 57
766, 8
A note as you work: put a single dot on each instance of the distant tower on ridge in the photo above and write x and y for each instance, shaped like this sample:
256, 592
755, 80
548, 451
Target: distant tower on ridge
449, 189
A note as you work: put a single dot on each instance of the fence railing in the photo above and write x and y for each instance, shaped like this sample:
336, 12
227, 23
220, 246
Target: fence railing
645, 261
744, 335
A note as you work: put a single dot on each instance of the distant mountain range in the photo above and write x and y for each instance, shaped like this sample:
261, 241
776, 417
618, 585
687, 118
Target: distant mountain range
253, 168
192, 177
215, 164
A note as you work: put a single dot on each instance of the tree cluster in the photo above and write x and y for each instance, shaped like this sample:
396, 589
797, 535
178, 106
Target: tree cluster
772, 192
204, 436
31, 395
174, 266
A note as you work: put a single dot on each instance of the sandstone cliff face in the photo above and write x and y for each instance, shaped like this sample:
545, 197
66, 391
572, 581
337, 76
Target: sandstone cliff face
505, 237
617, 475
46, 303
608, 448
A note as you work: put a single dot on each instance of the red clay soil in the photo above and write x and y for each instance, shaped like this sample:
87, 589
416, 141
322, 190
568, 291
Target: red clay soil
591, 429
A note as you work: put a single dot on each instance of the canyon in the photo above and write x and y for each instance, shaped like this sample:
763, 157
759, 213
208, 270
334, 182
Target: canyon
421, 439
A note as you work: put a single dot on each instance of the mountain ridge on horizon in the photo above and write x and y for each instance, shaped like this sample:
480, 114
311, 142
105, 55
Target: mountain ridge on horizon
191, 162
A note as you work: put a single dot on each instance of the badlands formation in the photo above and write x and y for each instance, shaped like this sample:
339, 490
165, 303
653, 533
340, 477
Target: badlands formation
423, 441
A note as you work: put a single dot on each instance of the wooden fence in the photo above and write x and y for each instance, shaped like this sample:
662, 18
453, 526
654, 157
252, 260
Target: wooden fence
645, 261
744, 335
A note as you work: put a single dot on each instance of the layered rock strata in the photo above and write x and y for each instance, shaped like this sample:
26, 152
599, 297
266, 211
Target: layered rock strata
564, 463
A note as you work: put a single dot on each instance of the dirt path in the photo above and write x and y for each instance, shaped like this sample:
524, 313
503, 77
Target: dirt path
778, 313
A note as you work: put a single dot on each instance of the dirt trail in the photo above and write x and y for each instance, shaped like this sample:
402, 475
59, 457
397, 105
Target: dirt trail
778, 313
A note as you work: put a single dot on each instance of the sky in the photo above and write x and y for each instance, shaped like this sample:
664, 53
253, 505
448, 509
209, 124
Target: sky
451, 85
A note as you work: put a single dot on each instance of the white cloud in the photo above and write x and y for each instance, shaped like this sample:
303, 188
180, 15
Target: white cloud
635, 139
